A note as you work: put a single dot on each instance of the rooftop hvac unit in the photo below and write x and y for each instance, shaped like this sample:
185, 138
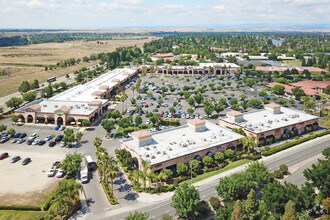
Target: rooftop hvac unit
158, 152
56, 106
147, 155
170, 149
44, 105
147, 148
153, 157
164, 153
265, 115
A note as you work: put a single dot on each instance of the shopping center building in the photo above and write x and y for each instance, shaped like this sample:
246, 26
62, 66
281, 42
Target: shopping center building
196, 139
202, 68
271, 124
87, 101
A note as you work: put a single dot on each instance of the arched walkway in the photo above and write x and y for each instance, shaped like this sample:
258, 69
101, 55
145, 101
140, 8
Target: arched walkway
50, 120
135, 163
217, 72
295, 131
21, 118
59, 121
209, 153
71, 121
315, 126
190, 71
29, 119
199, 158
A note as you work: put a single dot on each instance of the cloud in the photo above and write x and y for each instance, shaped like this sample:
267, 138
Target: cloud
38, 4
219, 8
129, 2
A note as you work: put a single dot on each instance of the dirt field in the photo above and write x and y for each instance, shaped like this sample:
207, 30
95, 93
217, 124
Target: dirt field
27, 184
28, 61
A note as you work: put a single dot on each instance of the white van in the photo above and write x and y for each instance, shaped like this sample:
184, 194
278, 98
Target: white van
84, 175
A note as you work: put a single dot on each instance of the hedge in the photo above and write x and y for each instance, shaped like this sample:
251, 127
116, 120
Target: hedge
21, 208
287, 145
110, 196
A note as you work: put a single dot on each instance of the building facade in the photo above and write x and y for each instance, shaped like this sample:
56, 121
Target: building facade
196, 139
88, 101
203, 69
274, 123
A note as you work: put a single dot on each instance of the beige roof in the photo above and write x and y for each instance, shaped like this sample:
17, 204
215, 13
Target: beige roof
234, 113
34, 107
98, 93
104, 87
95, 102
141, 134
196, 121
115, 80
272, 105
63, 109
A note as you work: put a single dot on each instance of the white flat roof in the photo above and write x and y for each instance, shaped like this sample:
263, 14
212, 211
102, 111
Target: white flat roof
264, 120
233, 65
180, 141
78, 97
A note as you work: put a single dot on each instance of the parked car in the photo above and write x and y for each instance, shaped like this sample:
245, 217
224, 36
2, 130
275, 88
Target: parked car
35, 142
63, 144
52, 144
29, 141
26, 161
51, 172
5, 139
48, 137
41, 142
59, 138
17, 135
15, 159
62, 128
21, 140
4, 155
14, 140
23, 135
57, 127
33, 136
60, 173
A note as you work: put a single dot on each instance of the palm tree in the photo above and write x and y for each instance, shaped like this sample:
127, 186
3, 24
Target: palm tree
160, 177
145, 171
97, 142
59, 205
135, 176
249, 143
112, 173
152, 178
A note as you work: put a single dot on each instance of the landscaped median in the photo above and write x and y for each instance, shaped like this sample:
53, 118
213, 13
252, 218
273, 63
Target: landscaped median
298, 140
21, 215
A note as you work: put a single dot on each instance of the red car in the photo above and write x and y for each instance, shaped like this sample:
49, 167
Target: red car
146, 105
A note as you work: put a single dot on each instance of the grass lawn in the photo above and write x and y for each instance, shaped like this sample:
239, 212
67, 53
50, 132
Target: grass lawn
20, 215
292, 62
230, 166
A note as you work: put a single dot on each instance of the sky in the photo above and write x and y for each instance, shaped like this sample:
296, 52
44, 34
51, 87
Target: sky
105, 14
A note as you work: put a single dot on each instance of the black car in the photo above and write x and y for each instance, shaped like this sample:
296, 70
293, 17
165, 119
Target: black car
17, 135
59, 138
52, 144
15, 159
29, 141
41, 142
26, 161
23, 135
4, 155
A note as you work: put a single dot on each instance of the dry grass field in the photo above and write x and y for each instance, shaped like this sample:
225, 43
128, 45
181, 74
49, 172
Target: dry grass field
27, 62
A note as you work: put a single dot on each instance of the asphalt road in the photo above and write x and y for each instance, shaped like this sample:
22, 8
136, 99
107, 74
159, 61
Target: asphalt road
298, 156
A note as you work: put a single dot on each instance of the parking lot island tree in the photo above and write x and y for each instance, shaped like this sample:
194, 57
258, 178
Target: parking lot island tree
71, 164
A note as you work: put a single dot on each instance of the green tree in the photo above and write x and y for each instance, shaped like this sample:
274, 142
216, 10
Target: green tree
137, 216
47, 91
278, 89
97, 142
215, 203
11, 131
327, 90
24, 87
29, 97
72, 164
79, 136
167, 216
86, 123
230, 154
191, 101
3, 128
186, 201
249, 143
69, 135
298, 93
208, 110
34, 84
237, 213
208, 161
198, 98
138, 120
108, 125
195, 166
290, 212
219, 157
14, 102
181, 169
251, 206
260, 174
14, 118
115, 115
316, 175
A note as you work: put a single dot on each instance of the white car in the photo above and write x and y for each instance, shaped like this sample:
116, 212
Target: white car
21, 140
33, 136
35, 142
61, 128
14, 140
60, 173
51, 172
48, 137
63, 144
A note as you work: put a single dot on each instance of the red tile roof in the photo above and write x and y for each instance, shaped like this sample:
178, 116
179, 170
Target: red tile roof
34, 107
234, 113
63, 109
273, 105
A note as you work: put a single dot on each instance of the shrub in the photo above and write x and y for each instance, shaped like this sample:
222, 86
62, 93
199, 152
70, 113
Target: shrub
179, 180
278, 174
20, 207
284, 169
294, 142
204, 208
215, 203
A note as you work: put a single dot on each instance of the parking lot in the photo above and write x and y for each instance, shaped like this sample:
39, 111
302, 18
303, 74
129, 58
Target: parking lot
29, 183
